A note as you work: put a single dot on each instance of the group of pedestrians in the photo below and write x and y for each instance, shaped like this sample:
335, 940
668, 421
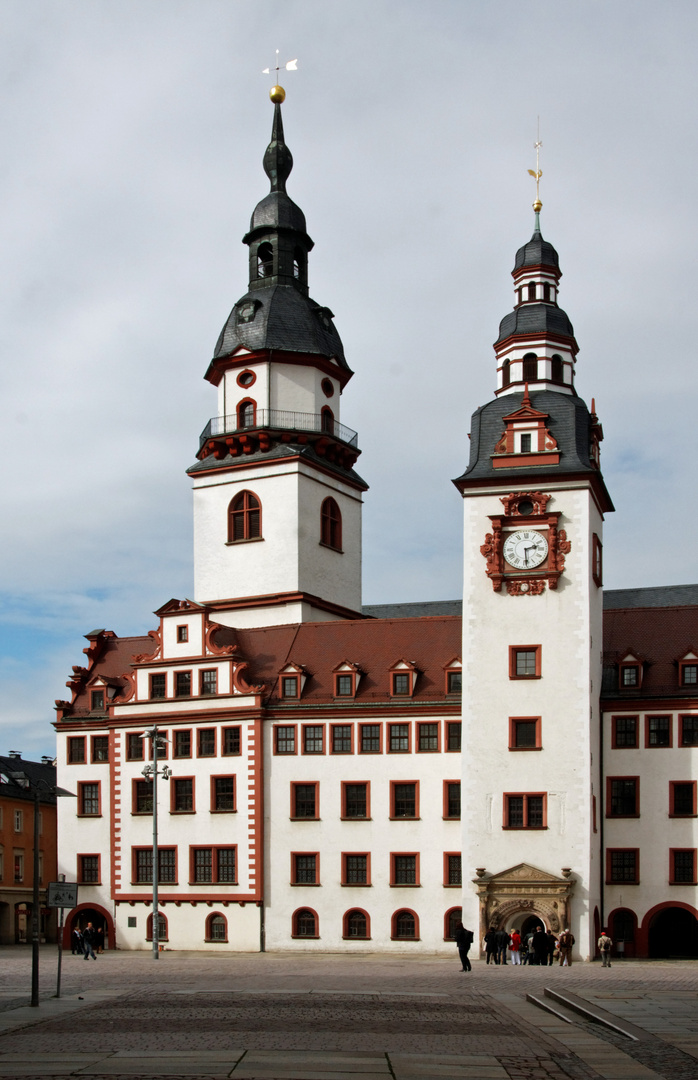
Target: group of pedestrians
85, 942
537, 948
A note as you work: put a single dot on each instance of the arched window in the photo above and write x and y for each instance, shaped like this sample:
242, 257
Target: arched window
623, 925
216, 928
530, 367
305, 923
405, 926
453, 917
556, 369
265, 260
162, 927
546, 291
519, 293
331, 525
532, 291
244, 517
247, 413
327, 420
506, 372
299, 264
356, 925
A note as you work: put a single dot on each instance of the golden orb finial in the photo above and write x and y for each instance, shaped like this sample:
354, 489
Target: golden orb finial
277, 94
538, 206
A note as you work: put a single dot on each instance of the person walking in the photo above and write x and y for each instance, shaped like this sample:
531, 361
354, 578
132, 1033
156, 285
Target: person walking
515, 946
604, 944
540, 947
491, 946
502, 939
90, 939
566, 943
464, 939
76, 945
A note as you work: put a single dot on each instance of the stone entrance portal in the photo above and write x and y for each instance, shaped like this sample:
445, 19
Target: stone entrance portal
507, 899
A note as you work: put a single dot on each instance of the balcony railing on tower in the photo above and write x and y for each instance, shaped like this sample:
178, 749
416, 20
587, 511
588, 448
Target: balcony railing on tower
280, 419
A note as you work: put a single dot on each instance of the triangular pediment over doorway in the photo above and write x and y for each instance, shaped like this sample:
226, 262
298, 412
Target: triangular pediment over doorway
524, 872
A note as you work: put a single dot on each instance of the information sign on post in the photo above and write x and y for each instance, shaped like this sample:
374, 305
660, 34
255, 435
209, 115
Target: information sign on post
62, 894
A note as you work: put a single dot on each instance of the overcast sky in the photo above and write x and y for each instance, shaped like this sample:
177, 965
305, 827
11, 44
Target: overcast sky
132, 141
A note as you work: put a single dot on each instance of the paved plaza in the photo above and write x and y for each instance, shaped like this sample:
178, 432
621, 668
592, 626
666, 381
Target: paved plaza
327, 1017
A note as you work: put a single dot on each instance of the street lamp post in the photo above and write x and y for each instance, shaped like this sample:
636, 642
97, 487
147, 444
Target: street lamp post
151, 773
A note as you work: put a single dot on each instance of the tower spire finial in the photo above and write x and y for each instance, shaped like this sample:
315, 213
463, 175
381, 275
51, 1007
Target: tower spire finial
277, 93
538, 205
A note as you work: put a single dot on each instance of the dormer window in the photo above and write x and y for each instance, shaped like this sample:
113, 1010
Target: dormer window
454, 677
291, 682
403, 676
526, 442
265, 260
630, 673
401, 684
97, 701
346, 680
182, 634
688, 671
289, 686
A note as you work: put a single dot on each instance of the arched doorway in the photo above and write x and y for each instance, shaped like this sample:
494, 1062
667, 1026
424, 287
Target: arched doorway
529, 926
6, 928
100, 919
673, 933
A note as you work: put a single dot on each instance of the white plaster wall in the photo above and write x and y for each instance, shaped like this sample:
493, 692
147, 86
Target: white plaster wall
178, 650
186, 927
323, 572
298, 388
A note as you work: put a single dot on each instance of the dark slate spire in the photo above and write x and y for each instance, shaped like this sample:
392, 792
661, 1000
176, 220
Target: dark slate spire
278, 160
537, 252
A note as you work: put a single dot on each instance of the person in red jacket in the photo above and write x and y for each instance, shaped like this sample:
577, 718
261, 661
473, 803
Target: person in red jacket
515, 947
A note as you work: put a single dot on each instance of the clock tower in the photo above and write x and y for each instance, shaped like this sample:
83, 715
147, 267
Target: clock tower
534, 503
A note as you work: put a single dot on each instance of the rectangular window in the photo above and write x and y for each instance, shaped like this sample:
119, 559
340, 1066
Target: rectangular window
167, 866
304, 800
88, 869
622, 866
341, 738
134, 747
209, 865
454, 875
401, 685
524, 733
689, 674
158, 686
624, 732
689, 730
76, 750
658, 731
19, 867
223, 793
285, 740
231, 741
355, 869
344, 686
289, 686
403, 870
370, 735
597, 561
623, 796
524, 661
629, 675
399, 738
314, 739
97, 701
182, 795
428, 737
100, 748
208, 682
682, 798
454, 682
451, 798
142, 797
182, 744
226, 864
304, 869
182, 634
19, 820
404, 800
206, 742
355, 800
683, 866
525, 811
454, 734
203, 865
89, 800
182, 683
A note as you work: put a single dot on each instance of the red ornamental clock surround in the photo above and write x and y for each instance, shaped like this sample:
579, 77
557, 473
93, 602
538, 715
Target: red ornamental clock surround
525, 508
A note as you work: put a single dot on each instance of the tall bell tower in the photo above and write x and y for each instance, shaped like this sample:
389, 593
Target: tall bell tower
534, 502
277, 503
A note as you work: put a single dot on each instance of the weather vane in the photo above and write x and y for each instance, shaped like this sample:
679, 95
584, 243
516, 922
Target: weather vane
538, 205
277, 93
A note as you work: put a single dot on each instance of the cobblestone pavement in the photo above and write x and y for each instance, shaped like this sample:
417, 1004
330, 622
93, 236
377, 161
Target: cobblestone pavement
325, 1017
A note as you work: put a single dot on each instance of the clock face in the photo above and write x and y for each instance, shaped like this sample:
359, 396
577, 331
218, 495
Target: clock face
525, 549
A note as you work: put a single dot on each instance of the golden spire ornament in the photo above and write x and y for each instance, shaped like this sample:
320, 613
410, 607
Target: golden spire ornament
277, 93
538, 205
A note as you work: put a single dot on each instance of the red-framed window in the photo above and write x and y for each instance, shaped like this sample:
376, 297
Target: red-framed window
89, 798
404, 800
597, 560
356, 800
356, 925
688, 673
97, 701
305, 867
182, 634
331, 524
622, 866
453, 674
342, 739
525, 810
141, 796
404, 868
401, 683
658, 731
453, 736
327, 420
452, 800
451, 919
182, 795
689, 730
244, 518
90, 869
682, 866
625, 732
76, 750
682, 798
247, 377
142, 865
247, 413
428, 741
370, 738
453, 871
182, 743
231, 741
285, 739
216, 927
305, 801
162, 927
305, 923
289, 687
346, 680
356, 868
404, 925
525, 733
157, 685
223, 794
134, 746
622, 796
313, 738
399, 738
630, 675
215, 865
100, 749
206, 742
182, 683
208, 682
525, 661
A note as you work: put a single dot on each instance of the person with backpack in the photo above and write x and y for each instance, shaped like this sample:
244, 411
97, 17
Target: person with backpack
464, 939
566, 941
604, 944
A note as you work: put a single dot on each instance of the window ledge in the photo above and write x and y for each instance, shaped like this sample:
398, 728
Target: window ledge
251, 540
305, 884
618, 817
345, 938
621, 883
215, 941
447, 885
403, 817
223, 811
525, 749
179, 813
305, 819
397, 885
330, 547
452, 817
525, 828
679, 816
686, 884
99, 815
356, 819
356, 884
305, 937
403, 939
